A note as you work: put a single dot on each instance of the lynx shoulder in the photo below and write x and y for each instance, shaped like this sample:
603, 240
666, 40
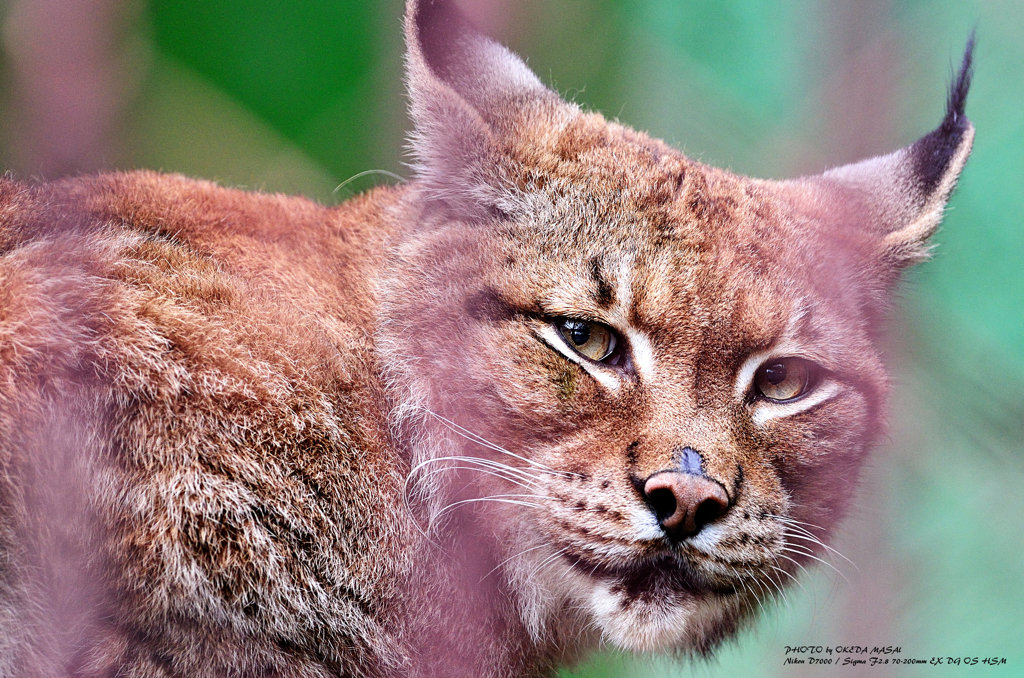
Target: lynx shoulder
564, 386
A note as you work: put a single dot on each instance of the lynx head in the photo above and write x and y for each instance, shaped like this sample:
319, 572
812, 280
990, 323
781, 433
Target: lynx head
653, 381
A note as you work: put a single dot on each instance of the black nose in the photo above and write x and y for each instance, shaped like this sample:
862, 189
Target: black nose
684, 502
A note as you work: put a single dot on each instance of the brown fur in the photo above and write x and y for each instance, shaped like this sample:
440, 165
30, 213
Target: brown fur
234, 427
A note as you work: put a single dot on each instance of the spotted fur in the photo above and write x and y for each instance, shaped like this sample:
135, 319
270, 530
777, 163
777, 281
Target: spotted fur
248, 435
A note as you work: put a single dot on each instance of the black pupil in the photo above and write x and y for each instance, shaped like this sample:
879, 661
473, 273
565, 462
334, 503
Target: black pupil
775, 374
577, 331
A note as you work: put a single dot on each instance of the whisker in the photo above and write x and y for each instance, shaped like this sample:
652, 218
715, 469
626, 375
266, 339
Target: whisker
794, 521
547, 560
514, 555
473, 437
820, 543
791, 525
801, 526
799, 566
497, 499
775, 588
490, 463
806, 554
747, 593
765, 594
489, 466
790, 575
777, 585
412, 514
487, 471
367, 173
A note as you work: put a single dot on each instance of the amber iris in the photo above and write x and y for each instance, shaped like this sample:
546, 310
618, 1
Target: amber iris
590, 339
782, 379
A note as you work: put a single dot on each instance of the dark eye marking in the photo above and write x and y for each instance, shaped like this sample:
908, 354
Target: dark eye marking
487, 304
605, 292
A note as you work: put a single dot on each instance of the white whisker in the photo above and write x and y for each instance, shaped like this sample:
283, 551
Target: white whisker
777, 585
481, 465
489, 463
790, 548
547, 560
792, 525
765, 593
512, 557
822, 544
367, 173
477, 469
782, 570
497, 499
473, 437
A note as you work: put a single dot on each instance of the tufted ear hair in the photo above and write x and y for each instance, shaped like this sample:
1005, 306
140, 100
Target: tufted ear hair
905, 192
466, 92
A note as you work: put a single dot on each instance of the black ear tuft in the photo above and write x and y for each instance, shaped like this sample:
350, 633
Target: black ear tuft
958, 90
904, 193
932, 153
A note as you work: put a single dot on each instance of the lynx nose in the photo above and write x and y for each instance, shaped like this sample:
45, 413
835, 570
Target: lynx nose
684, 502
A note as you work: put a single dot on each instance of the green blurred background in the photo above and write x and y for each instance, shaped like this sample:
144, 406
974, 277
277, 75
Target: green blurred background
302, 96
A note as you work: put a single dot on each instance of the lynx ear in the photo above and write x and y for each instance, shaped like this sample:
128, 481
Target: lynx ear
465, 91
906, 191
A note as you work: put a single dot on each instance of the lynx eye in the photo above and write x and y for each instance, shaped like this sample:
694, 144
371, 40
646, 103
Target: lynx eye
591, 340
783, 379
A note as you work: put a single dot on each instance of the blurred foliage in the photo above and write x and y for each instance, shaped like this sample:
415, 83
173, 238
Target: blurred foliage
299, 97
311, 71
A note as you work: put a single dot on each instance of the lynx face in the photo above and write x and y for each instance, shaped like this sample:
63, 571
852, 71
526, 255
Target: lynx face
690, 390
653, 380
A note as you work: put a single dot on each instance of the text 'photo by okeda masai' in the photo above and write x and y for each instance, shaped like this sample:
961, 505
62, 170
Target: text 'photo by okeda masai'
504, 338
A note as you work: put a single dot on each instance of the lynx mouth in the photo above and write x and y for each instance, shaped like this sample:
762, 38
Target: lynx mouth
663, 577
657, 603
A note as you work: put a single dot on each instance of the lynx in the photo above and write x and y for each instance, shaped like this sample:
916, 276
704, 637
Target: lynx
564, 387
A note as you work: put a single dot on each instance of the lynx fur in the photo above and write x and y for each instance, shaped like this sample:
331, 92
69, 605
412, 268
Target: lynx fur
564, 387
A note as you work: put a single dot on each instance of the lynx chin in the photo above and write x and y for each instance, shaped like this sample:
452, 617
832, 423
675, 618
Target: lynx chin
564, 387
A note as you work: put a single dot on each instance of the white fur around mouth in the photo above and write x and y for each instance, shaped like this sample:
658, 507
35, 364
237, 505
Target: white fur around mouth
641, 625
656, 621
648, 607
